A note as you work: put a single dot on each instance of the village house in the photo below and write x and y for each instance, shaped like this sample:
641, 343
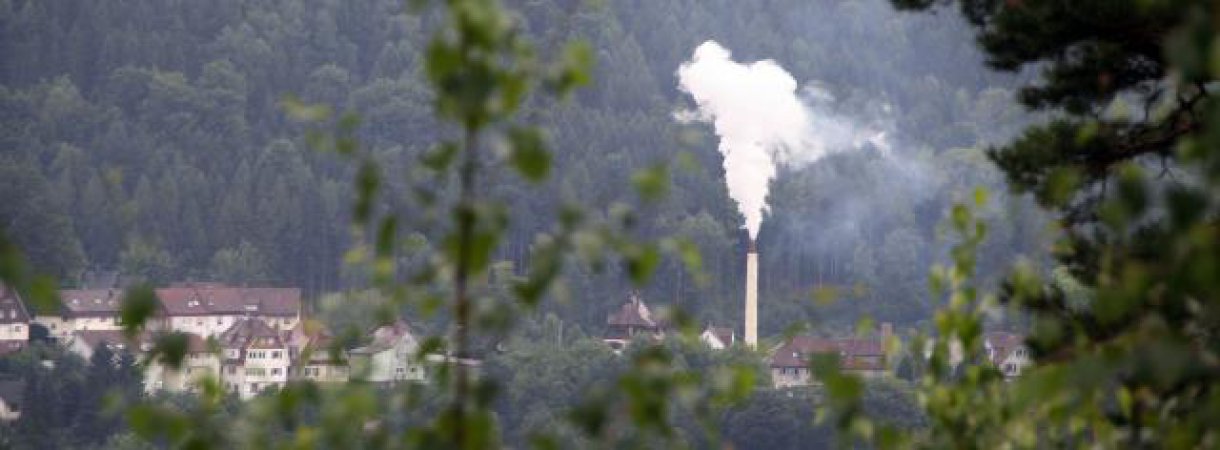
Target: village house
254, 358
632, 319
310, 349
14, 321
718, 338
83, 310
389, 358
863, 357
1007, 351
209, 309
197, 363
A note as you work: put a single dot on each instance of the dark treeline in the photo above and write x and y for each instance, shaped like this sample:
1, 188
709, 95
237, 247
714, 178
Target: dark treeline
148, 137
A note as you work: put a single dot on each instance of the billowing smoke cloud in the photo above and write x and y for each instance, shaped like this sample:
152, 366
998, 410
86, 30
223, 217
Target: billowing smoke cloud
762, 119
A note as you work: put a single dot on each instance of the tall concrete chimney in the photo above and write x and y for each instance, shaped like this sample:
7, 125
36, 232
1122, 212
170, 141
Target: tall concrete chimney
751, 330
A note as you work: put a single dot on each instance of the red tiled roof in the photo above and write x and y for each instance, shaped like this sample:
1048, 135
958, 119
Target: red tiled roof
12, 309
854, 353
194, 299
90, 302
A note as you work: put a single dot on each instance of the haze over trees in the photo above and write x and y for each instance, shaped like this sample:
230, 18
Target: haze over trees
508, 199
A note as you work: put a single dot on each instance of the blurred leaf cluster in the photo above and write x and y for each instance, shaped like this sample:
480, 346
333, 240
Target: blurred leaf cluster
1125, 353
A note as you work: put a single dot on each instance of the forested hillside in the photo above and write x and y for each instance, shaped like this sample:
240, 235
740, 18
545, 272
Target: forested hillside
149, 137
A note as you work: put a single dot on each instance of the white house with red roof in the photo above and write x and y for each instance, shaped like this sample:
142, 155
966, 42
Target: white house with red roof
254, 357
14, 321
208, 309
84, 310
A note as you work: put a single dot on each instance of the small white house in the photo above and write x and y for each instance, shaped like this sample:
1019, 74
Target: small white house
390, 357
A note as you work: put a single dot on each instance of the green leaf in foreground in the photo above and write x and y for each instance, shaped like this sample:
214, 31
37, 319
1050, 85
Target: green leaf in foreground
139, 304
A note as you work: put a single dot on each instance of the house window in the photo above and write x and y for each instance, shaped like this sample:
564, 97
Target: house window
275, 355
232, 370
253, 388
17, 328
275, 372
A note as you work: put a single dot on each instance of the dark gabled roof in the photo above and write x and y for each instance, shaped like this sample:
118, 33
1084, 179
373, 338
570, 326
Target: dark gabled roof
195, 299
1002, 344
251, 333
90, 302
634, 313
796, 352
12, 309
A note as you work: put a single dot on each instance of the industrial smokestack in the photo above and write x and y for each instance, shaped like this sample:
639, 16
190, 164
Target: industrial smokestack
751, 328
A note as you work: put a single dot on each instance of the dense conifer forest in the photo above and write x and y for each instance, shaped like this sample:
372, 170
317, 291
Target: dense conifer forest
150, 138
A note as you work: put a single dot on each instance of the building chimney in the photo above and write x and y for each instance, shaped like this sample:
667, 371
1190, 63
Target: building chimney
751, 316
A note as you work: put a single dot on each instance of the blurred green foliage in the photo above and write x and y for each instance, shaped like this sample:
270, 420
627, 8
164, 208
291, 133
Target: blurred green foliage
1123, 345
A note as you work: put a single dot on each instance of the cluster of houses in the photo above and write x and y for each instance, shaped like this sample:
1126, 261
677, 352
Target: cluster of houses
249, 339
252, 339
789, 362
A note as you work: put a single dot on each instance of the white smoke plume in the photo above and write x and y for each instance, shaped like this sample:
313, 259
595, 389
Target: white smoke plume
762, 120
